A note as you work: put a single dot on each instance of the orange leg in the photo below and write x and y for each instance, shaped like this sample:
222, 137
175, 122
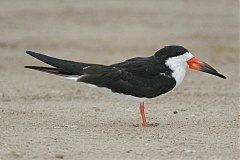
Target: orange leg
145, 124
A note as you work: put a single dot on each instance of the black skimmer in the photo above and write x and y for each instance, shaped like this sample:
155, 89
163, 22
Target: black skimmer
141, 77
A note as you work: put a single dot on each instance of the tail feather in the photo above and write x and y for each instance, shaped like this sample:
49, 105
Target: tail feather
55, 71
48, 70
69, 67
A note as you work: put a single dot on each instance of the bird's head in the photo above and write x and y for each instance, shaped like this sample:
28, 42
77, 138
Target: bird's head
177, 57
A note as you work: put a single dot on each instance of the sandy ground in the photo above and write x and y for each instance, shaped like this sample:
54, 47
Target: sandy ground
45, 117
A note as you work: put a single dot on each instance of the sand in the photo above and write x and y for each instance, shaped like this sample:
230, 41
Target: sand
45, 117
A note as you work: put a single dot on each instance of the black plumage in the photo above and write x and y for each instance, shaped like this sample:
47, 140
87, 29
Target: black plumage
142, 77
145, 77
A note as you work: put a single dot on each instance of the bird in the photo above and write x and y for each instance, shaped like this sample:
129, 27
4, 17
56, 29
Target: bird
140, 77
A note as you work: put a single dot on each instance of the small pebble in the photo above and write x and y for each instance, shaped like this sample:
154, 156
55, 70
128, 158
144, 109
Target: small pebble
59, 156
129, 151
187, 150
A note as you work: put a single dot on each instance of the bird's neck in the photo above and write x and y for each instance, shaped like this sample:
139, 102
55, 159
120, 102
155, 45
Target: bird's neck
179, 74
178, 70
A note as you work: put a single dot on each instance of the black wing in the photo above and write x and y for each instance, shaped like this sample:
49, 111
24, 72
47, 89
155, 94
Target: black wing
62, 67
141, 77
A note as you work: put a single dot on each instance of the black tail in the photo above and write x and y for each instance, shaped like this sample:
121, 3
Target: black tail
50, 70
63, 67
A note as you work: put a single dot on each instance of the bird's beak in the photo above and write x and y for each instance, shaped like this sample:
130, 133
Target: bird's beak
198, 65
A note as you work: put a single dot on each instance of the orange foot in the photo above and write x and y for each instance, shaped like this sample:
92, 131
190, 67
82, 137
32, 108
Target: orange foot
144, 121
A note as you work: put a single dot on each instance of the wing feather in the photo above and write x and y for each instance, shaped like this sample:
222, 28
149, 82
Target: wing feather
136, 77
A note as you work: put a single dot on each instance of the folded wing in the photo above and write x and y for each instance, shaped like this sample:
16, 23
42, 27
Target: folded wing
137, 77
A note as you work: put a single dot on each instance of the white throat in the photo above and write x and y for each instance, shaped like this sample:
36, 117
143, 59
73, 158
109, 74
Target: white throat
178, 65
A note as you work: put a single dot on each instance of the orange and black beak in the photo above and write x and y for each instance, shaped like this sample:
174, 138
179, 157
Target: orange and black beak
198, 65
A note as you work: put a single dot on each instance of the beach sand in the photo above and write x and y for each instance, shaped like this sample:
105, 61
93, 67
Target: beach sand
43, 116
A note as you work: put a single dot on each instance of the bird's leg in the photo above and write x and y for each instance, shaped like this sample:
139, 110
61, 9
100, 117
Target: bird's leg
143, 115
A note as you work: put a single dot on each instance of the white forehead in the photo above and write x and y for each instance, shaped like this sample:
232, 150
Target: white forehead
179, 59
186, 56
